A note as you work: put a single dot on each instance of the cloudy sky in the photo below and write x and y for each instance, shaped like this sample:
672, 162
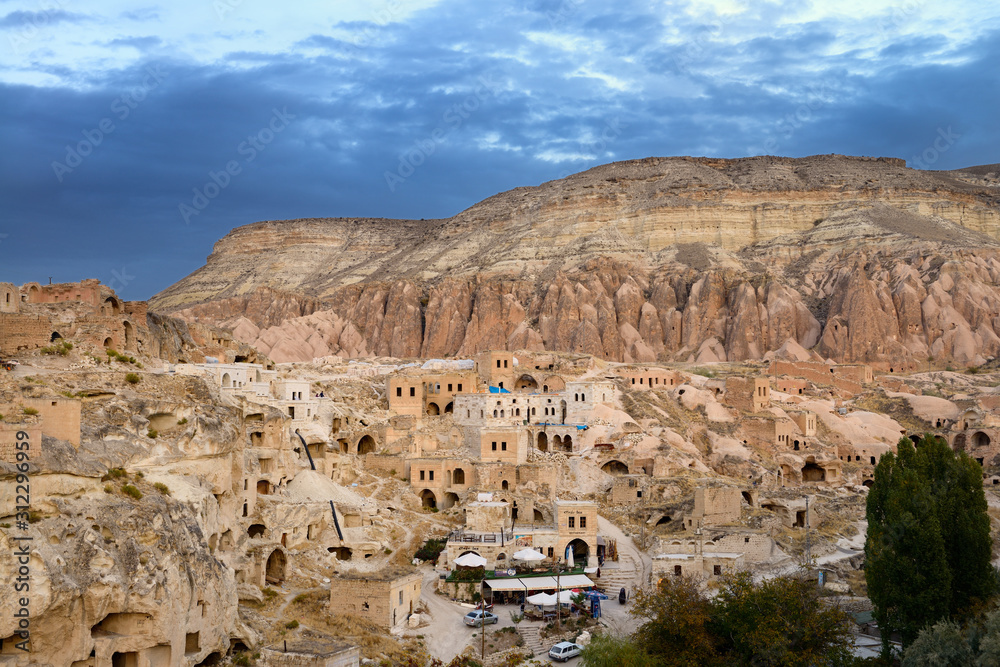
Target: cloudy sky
135, 135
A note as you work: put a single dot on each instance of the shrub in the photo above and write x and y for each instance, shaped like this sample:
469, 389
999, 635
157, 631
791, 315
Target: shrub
115, 473
30, 411
182, 421
1, 417
431, 549
270, 592
108, 488
34, 517
301, 598
162, 488
291, 625
388, 551
139, 475
132, 378
152, 433
130, 490
242, 659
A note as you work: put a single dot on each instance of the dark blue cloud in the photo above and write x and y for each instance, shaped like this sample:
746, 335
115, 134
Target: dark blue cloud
423, 118
17, 19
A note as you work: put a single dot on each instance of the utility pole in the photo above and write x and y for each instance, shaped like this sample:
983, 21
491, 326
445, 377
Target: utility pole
808, 549
558, 605
482, 618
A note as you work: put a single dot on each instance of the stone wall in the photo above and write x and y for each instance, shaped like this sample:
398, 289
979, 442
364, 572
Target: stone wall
747, 394
60, 417
384, 599
23, 332
9, 440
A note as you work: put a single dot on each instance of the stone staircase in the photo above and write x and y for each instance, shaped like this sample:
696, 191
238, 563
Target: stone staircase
626, 575
532, 639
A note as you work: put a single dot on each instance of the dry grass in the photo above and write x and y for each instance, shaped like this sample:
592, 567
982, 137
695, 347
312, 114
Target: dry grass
897, 408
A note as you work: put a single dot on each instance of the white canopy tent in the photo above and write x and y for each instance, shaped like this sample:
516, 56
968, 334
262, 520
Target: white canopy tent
470, 560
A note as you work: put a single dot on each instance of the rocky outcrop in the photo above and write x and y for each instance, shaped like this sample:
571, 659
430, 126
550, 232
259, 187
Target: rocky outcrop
661, 259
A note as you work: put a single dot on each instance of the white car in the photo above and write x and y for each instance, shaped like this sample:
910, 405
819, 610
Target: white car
563, 651
477, 619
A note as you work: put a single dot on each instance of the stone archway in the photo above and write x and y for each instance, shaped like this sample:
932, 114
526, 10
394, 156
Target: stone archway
980, 439
543, 442
366, 445
813, 473
449, 500
55, 336
433, 409
615, 467
108, 343
458, 476
580, 549
428, 499
129, 336
526, 383
227, 380
450, 408
567, 443
276, 564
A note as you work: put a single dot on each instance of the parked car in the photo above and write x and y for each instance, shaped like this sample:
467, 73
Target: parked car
478, 619
563, 651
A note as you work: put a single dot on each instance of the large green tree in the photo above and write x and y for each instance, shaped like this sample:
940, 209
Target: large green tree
928, 547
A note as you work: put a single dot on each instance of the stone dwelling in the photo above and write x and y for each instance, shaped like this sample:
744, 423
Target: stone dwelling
306, 651
747, 394
647, 378
386, 598
715, 506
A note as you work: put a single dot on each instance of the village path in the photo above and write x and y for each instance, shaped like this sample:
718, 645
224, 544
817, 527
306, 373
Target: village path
445, 634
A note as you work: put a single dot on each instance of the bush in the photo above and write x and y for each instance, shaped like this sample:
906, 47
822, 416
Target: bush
130, 490
34, 517
108, 488
152, 433
242, 659
162, 488
132, 378
291, 625
270, 592
182, 421
301, 598
431, 549
30, 411
114, 473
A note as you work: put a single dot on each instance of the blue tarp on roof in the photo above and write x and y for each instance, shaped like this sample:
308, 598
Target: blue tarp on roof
498, 390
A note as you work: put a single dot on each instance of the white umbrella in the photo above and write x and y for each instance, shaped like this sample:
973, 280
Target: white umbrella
569, 557
470, 560
565, 596
541, 599
528, 555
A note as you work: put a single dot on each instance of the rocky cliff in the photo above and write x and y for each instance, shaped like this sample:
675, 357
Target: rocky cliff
859, 259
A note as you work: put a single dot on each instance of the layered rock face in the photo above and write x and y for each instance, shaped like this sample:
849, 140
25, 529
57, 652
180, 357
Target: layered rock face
661, 259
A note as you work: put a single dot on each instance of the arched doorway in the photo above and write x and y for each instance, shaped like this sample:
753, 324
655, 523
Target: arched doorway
366, 445
433, 409
227, 381
526, 383
55, 336
537, 516
615, 468
276, 562
449, 409
449, 500
458, 476
980, 439
504, 485
543, 442
428, 499
256, 530
813, 473
129, 336
567, 444
108, 343
580, 549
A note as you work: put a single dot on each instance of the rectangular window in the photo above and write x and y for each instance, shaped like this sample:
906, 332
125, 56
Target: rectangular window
572, 522
449, 386
583, 522
717, 570
494, 446
505, 363
638, 494
460, 386
413, 391
400, 597
503, 446
677, 570
421, 475
498, 363
399, 391
432, 475
550, 552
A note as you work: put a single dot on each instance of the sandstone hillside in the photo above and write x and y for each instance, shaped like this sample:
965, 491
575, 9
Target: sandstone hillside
687, 259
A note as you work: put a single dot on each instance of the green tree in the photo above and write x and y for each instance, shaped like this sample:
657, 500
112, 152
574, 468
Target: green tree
928, 547
675, 631
610, 651
779, 623
940, 645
